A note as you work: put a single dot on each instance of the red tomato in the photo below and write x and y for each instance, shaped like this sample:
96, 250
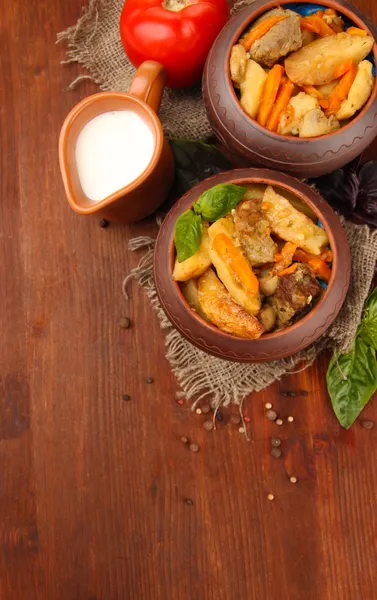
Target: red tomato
178, 38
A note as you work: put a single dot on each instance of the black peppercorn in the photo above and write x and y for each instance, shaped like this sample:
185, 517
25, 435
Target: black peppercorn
103, 223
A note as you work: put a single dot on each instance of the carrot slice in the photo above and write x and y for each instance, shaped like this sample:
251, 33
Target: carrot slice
317, 25
306, 257
357, 31
341, 91
284, 257
312, 91
320, 268
238, 263
283, 97
327, 256
260, 30
343, 68
288, 271
270, 91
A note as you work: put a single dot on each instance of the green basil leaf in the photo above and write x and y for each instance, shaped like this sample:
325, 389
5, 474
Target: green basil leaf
219, 201
352, 381
368, 327
188, 235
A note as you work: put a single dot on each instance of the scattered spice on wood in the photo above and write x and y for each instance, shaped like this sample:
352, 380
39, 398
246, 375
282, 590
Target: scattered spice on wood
194, 447
290, 419
184, 440
271, 415
293, 479
270, 496
198, 411
180, 402
126, 397
220, 417
149, 380
189, 502
206, 409
235, 420
276, 452
288, 394
304, 393
367, 424
124, 323
275, 442
242, 430
103, 223
268, 405
279, 421
247, 419
208, 425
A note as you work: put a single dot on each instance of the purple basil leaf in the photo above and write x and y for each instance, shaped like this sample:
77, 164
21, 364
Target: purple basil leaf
367, 197
340, 189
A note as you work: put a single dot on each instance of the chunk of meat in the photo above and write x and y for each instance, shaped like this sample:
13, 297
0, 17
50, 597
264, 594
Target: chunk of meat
294, 295
223, 312
252, 231
284, 37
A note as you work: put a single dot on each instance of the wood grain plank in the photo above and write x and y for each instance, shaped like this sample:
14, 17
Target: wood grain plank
93, 489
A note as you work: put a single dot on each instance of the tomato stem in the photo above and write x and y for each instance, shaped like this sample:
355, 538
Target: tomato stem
175, 5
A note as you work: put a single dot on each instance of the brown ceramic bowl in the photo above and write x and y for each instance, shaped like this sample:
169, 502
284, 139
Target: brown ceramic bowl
244, 136
272, 346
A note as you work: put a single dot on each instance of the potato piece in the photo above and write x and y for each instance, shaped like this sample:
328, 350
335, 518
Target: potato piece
238, 62
268, 283
195, 265
227, 275
190, 293
359, 93
267, 317
316, 63
328, 88
252, 88
308, 37
222, 311
224, 225
296, 110
292, 225
315, 123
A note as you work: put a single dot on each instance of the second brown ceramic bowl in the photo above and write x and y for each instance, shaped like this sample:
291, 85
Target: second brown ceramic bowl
272, 346
246, 138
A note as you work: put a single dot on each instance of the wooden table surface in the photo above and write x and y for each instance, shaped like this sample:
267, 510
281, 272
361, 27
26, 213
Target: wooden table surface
93, 490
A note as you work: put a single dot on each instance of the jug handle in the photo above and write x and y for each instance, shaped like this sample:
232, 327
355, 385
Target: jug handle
148, 84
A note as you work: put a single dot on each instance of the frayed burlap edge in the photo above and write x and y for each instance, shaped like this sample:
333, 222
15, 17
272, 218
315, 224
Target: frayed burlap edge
223, 382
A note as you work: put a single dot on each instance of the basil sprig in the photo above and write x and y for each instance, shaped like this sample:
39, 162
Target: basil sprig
188, 234
352, 377
214, 204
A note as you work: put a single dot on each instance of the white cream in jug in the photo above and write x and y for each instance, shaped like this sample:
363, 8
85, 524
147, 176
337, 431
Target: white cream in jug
112, 150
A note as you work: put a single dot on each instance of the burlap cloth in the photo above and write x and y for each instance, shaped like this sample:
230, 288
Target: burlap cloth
95, 43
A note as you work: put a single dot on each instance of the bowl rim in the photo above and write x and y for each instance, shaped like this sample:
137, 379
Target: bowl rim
243, 349
257, 12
